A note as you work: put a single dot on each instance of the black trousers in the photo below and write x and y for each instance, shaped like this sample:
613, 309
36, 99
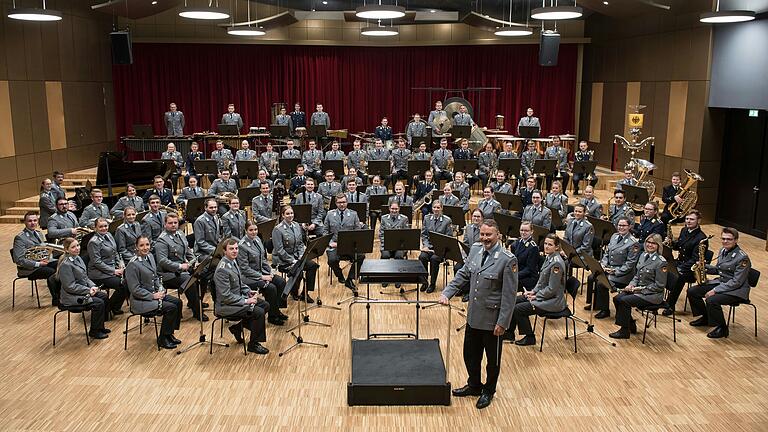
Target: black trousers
443, 175
398, 175
624, 302
118, 288
334, 259
99, 303
520, 320
677, 288
601, 296
477, 342
374, 216
564, 180
398, 254
192, 294
432, 263
271, 291
712, 307
483, 178
46, 272
174, 180
171, 315
577, 178
253, 320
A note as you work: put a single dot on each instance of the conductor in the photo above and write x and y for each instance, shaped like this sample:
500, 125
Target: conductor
490, 270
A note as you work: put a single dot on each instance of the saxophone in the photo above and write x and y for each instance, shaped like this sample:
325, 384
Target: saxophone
699, 267
670, 237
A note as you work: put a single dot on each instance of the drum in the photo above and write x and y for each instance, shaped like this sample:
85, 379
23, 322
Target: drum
301, 132
477, 139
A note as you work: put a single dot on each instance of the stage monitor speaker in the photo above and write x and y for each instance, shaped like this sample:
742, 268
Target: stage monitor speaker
549, 46
122, 53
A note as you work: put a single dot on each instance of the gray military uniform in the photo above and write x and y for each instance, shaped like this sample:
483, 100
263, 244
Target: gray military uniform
320, 118
245, 155
559, 202
485, 161
440, 158
617, 212
102, 251
449, 200
404, 200
509, 155
527, 160
91, 213
329, 189
334, 155
126, 201
318, 210
252, 259
221, 156
231, 290
284, 120
334, 223
388, 223
153, 225
560, 154
621, 255
440, 225
232, 119
188, 193
125, 237
420, 156
143, 282
261, 207
268, 160
464, 193
176, 157
378, 154
434, 115
550, 289
415, 129
471, 235
288, 244
174, 123
488, 206
732, 269
218, 186
60, 225
233, 224
21, 243
500, 188
311, 159
208, 231
541, 216
400, 159
463, 119
651, 277
355, 160
594, 208
75, 285
47, 204
291, 154
529, 121
580, 233
171, 250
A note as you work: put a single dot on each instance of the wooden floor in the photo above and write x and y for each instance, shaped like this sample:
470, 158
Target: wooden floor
694, 384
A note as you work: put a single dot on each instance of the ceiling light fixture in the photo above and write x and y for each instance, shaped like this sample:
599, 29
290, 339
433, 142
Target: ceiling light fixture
34, 14
246, 30
724, 17
380, 11
210, 12
379, 31
513, 29
553, 13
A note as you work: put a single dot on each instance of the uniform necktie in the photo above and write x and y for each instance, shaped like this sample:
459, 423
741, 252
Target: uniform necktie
485, 257
341, 217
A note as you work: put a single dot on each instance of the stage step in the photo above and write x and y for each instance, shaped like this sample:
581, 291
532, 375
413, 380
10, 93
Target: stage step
11, 219
21, 210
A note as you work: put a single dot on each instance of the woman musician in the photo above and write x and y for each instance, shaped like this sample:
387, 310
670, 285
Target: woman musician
148, 293
127, 234
77, 289
106, 266
288, 240
257, 274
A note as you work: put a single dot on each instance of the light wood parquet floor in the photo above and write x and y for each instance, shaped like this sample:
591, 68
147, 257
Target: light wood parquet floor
694, 384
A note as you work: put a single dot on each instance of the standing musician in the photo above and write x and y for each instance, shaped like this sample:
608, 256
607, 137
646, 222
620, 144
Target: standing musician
352, 174
78, 290
221, 185
435, 115
106, 266
159, 190
629, 178
27, 268
560, 154
441, 158
298, 180
499, 184
174, 121
526, 193
486, 162
416, 128
392, 220
731, 287
464, 153
334, 153
191, 191
298, 117
649, 222
400, 158
645, 289
448, 198
178, 161
224, 159
173, 256
529, 120
423, 188
439, 223
527, 159
491, 273
463, 118
556, 199
579, 232
488, 205
207, 229
357, 158
548, 295
233, 221
287, 237
620, 208
311, 160
526, 251
458, 184
235, 299
126, 235
320, 117
262, 177
400, 197
687, 244
94, 210
537, 213
194, 155
353, 195
290, 152
594, 208
619, 262
671, 194
509, 151
257, 274
262, 205
284, 119
148, 294
131, 199
232, 118
245, 153
46, 202
268, 161
154, 221
583, 155
309, 196
383, 131
342, 219
330, 187
375, 189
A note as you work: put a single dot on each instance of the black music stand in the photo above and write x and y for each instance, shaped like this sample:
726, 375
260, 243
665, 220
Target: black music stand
228, 129
194, 208
416, 168
511, 167
449, 248
337, 166
361, 209
600, 277
302, 213
288, 166
417, 140
405, 210
539, 234
584, 168
246, 196
361, 188
528, 131
351, 243
143, 131
509, 202
458, 131
635, 194
248, 168
557, 220
382, 168
194, 278
467, 166
544, 167
377, 201
405, 239
317, 131
279, 131
265, 229
456, 213
603, 230
205, 167
509, 225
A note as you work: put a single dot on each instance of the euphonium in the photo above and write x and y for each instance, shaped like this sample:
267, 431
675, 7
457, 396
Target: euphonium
42, 252
82, 232
699, 268
678, 210
225, 197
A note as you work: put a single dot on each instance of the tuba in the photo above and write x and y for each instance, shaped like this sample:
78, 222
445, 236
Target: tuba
699, 268
678, 210
643, 167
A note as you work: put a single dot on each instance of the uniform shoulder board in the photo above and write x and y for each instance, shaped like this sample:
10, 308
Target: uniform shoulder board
507, 252
221, 264
242, 240
163, 234
531, 242
402, 216
133, 258
663, 260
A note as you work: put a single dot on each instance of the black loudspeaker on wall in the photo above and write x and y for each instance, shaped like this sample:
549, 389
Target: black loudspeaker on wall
121, 48
549, 46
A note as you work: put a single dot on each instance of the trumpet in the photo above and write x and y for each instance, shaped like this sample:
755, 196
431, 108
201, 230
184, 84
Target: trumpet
43, 252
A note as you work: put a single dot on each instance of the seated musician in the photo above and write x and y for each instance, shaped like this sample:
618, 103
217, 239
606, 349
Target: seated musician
439, 223
127, 233
224, 159
619, 262
687, 245
528, 158
448, 198
191, 191
148, 293
556, 199
463, 118
583, 155
235, 299
262, 204
352, 174
486, 162
290, 152
342, 219
233, 221
423, 188
471, 236
262, 177
57, 187
357, 157
288, 240
421, 153
96, 209
131, 199
245, 153
527, 191
731, 287
671, 195
178, 161
400, 197
537, 213
629, 178
441, 158
154, 221
488, 205
500, 184
400, 157
46, 202
208, 230
298, 180
63, 223
194, 155
330, 187
579, 232
269, 162
257, 274
547, 296
378, 152
31, 269
527, 252
334, 153
311, 159
392, 220
594, 208
649, 222
509, 151
375, 188
222, 185
620, 208
78, 290
158, 189
464, 153
353, 195
645, 289
463, 188
174, 257
106, 266
557, 152
309, 196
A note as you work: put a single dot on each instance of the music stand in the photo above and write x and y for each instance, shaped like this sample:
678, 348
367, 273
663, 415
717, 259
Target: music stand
361, 188
279, 131
635, 194
351, 243
600, 278
509, 225
456, 213
405, 239
194, 278
114, 224
585, 168
511, 167
317, 131
143, 131
205, 167
246, 196
509, 202
194, 208
337, 166
265, 229
528, 131
467, 166
302, 213
416, 168
377, 201
603, 229
557, 220
539, 233
248, 168
382, 168
360, 208
288, 166
228, 129
417, 140
544, 167
459, 131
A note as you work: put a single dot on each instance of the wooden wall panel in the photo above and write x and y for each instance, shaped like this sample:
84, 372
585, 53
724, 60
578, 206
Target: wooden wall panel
7, 146
57, 129
632, 98
678, 98
596, 112
38, 109
22, 117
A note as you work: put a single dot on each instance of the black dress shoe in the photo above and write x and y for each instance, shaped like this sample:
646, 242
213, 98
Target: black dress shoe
275, 321
484, 400
384, 285
165, 343
699, 322
718, 332
467, 391
398, 285
282, 316
465, 298
284, 302
622, 333
295, 296
205, 305
106, 330
341, 280
602, 314
587, 307
173, 339
309, 299
633, 327
508, 336
430, 289
117, 312
667, 312
54, 301
526, 340
423, 287
97, 334
237, 332
257, 348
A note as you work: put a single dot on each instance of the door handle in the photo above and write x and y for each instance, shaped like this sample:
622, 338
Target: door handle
755, 189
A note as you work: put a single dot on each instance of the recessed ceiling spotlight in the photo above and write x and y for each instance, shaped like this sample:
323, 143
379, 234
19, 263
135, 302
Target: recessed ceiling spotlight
605, 3
432, 11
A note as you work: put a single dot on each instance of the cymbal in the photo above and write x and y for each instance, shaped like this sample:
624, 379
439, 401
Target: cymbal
362, 133
568, 137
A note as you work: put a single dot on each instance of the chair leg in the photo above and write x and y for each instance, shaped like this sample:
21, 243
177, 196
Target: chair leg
242, 334
68, 322
543, 330
125, 345
54, 327
575, 347
535, 321
645, 327
13, 298
213, 328
755, 308
674, 326
37, 293
85, 324
730, 311
157, 334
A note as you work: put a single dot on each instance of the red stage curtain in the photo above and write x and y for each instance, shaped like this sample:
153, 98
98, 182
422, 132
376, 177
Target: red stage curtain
356, 85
